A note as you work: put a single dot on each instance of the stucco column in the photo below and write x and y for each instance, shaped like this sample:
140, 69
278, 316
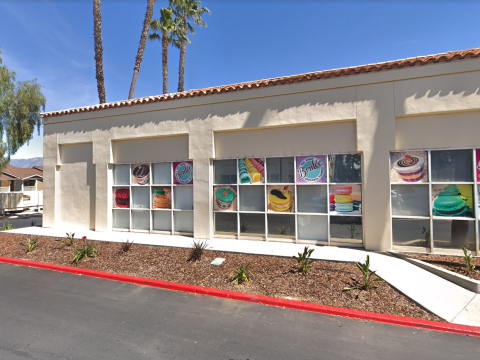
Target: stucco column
101, 159
375, 138
50, 178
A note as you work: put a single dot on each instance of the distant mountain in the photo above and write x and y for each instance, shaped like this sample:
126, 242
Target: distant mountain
27, 163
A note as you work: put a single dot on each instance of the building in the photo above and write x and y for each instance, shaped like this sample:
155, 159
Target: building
28, 181
381, 156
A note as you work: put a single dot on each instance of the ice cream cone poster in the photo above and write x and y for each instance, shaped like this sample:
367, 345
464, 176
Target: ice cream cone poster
121, 197
477, 163
281, 198
161, 197
225, 198
311, 169
140, 174
345, 199
452, 200
251, 171
409, 166
183, 173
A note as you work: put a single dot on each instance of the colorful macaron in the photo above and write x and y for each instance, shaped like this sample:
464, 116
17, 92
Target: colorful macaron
281, 200
224, 198
344, 207
449, 202
342, 190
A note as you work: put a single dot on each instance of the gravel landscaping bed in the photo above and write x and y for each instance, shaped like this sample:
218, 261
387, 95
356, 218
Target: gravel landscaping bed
273, 276
449, 262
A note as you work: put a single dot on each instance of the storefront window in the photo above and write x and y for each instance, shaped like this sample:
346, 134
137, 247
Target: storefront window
287, 198
153, 196
452, 166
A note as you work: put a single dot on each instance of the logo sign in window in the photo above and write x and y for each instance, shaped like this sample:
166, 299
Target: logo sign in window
183, 173
311, 169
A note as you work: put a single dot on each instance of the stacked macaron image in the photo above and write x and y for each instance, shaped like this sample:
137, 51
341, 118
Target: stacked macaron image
280, 198
450, 202
225, 198
251, 171
162, 198
343, 199
141, 174
121, 198
410, 168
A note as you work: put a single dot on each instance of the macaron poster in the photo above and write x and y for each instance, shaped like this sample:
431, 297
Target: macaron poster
161, 197
345, 199
251, 171
281, 198
183, 172
409, 166
225, 198
140, 174
121, 197
452, 200
311, 169
477, 157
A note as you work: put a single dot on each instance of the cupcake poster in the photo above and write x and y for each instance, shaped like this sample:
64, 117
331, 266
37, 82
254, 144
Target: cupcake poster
225, 198
251, 171
140, 174
345, 199
409, 166
121, 197
452, 200
311, 169
183, 173
161, 197
281, 198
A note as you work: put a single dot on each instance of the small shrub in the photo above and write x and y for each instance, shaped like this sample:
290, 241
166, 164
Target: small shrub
241, 274
8, 226
31, 244
69, 240
353, 233
84, 251
196, 250
304, 261
426, 234
244, 226
125, 246
468, 260
284, 230
367, 276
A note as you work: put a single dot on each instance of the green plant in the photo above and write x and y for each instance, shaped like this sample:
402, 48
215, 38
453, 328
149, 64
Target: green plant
304, 261
196, 250
241, 274
31, 244
352, 230
8, 226
367, 276
69, 240
468, 260
426, 234
284, 230
244, 226
84, 251
125, 246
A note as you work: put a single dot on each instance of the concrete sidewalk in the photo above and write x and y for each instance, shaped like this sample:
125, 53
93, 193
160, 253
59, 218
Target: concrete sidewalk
445, 299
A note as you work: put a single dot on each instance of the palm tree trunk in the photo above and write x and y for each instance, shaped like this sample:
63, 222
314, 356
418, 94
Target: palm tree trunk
141, 47
97, 35
165, 62
183, 55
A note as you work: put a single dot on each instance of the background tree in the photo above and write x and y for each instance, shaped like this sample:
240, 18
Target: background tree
171, 30
20, 106
97, 35
187, 10
141, 47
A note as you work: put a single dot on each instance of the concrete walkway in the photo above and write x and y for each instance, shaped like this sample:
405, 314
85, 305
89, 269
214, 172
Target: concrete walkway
445, 299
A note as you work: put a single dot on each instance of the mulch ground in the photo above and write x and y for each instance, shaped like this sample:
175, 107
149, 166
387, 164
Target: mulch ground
273, 276
448, 262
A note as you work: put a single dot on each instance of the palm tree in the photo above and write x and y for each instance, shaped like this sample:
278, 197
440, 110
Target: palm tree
97, 35
187, 10
141, 47
171, 30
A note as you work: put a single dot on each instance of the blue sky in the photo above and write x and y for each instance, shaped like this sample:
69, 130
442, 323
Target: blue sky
245, 40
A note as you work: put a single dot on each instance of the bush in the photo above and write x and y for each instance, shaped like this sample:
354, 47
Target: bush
304, 261
8, 226
241, 274
31, 244
367, 276
468, 260
196, 250
84, 251
69, 240
125, 246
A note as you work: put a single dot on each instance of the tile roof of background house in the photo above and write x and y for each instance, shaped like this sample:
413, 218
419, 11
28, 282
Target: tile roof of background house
395, 64
15, 173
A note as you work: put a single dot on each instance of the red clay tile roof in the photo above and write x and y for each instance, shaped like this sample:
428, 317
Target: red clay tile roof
396, 64
11, 171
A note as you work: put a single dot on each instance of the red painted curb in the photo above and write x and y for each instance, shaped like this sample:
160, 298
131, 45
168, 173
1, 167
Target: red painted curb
266, 300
